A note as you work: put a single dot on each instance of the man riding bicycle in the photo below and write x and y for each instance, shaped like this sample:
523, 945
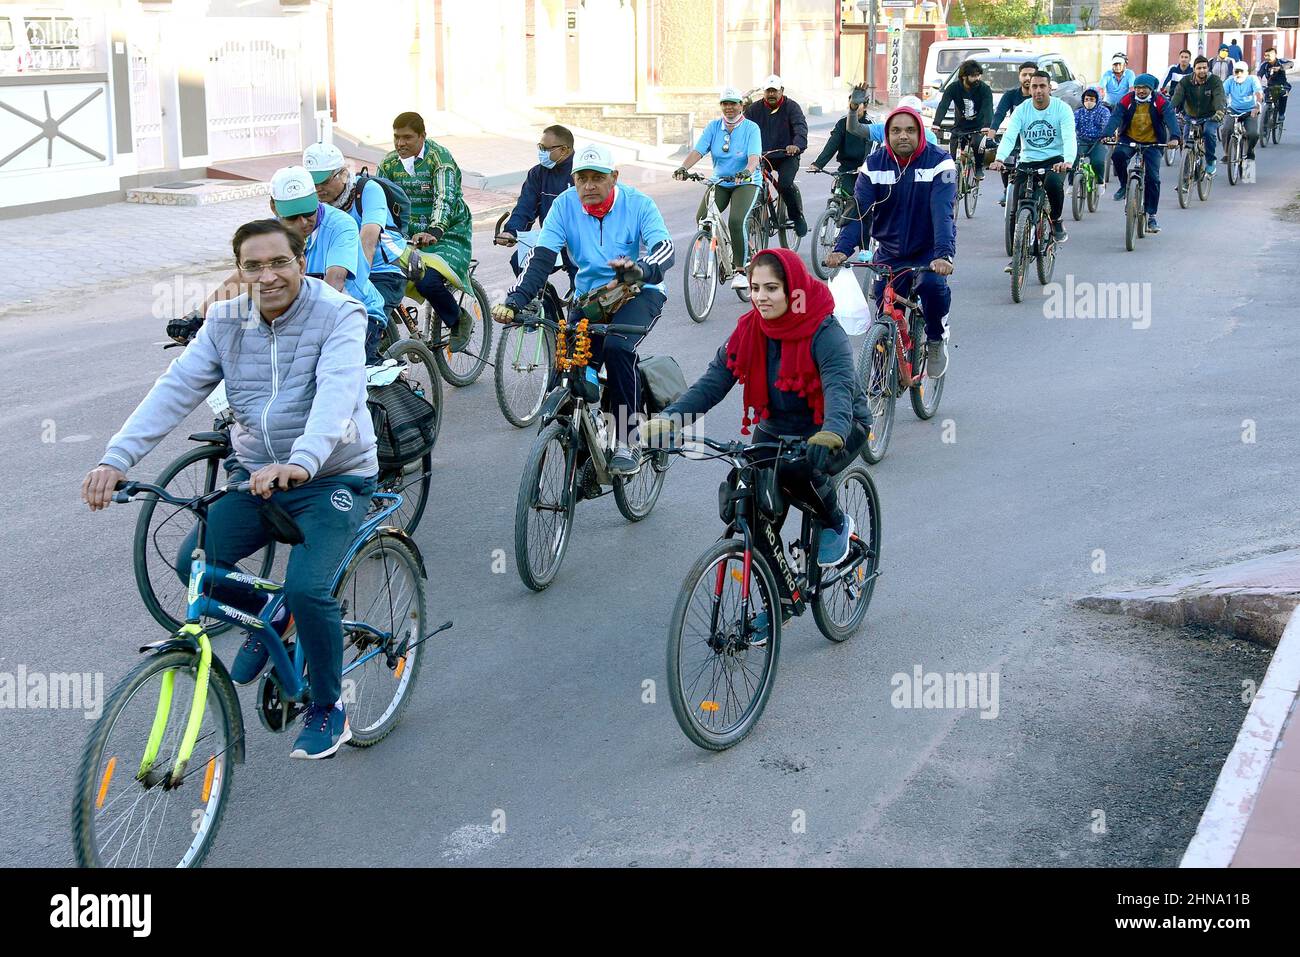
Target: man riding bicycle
784, 129
608, 228
552, 175
973, 99
1244, 95
1201, 99
1146, 118
849, 151
1177, 72
1045, 127
795, 365
1272, 72
906, 194
291, 353
1118, 83
1009, 103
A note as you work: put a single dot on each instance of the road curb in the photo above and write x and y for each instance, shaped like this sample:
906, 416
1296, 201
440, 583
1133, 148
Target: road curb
1223, 823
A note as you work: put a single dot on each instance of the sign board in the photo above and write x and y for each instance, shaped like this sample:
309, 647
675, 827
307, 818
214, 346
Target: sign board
895, 63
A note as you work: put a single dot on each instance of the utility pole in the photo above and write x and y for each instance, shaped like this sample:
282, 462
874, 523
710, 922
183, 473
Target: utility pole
1200, 27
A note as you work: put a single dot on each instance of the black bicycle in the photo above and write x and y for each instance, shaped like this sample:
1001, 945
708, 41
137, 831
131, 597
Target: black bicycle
569, 459
724, 636
1193, 168
1135, 218
1033, 232
1271, 121
839, 205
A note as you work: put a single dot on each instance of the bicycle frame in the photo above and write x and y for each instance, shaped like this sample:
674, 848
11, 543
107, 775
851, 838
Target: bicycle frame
719, 235
193, 636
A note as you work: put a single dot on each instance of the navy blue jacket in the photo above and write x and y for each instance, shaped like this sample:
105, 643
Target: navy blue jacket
788, 412
781, 128
540, 188
851, 151
1163, 118
910, 213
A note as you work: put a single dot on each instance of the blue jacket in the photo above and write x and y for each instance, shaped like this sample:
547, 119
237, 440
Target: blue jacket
908, 211
1173, 78
1090, 124
633, 227
1163, 118
540, 188
1272, 77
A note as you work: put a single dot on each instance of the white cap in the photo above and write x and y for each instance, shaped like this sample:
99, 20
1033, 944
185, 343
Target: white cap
293, 191
773, 82
913, 102
1118, 58
321, 160
1241, 65
596, 157
730, 94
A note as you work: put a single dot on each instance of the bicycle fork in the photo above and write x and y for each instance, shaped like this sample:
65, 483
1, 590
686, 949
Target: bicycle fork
163, 712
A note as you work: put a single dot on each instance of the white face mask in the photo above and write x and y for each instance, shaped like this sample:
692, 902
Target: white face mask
1142, 99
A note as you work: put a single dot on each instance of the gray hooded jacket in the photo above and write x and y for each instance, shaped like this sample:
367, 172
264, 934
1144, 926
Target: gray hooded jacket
297, 386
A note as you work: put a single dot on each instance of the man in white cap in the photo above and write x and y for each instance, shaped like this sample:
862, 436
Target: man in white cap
785, 137
333, 249
1118, 82
608, 228
366, 199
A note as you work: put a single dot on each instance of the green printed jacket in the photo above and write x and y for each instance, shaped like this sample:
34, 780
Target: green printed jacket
436, 201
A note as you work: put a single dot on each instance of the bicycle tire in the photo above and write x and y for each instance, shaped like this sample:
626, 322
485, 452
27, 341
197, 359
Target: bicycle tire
1020, 257
787, 237
92, 782
1045, 259
1263, 128
412, 481
1009, 218
1234, 152
1077, 197
874, 370
477, 349
1132, 205
1279, 124
632, 496
726, 551
1094, 194
972, 197
702, 244
826, 224
145, 561
1203, 182
387, 543
538, 369
866, 572
925, 393
1185, 176
422, 375
554, 433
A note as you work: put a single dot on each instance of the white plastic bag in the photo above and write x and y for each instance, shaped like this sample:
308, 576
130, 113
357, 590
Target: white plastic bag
851, 306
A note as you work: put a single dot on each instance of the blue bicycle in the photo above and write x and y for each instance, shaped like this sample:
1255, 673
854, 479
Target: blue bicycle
156, 771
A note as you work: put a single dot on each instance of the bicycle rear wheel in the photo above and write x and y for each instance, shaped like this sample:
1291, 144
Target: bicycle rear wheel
700, 277
420, 372
525, 357
161, 528
544, 507
412, 481
875, 371
123, 815
840, 605
464, 367
382, 588
635, 495
720, 669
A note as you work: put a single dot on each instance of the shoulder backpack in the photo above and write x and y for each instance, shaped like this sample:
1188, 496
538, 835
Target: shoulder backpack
399, 204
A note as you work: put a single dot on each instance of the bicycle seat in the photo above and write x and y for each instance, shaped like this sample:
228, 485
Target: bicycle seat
212, 438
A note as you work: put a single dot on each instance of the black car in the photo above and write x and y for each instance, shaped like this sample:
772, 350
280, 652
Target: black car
1002, 72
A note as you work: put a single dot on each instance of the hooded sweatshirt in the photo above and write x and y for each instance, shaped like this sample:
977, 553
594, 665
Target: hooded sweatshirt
906, 206
1045, 133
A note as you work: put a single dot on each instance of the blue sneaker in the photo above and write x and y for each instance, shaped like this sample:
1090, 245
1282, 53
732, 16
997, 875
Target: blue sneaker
1210, 168
324, 730
1120, 194
833, 546
250, 661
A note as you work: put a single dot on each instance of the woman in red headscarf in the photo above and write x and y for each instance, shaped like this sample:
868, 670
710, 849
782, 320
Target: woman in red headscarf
794, 363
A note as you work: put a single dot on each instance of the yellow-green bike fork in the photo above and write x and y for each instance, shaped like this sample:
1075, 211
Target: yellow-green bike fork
163, 711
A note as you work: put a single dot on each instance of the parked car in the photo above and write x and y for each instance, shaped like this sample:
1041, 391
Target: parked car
945, 56
1002, 72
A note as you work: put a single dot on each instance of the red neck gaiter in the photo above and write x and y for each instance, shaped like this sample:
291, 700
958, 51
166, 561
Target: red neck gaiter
601, 209
810, 301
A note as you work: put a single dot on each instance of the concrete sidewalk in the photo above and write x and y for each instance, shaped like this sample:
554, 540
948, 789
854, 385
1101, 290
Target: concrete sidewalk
1253, 816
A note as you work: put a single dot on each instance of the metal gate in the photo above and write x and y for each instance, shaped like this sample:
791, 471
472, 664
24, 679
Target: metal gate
254, 99
146, 98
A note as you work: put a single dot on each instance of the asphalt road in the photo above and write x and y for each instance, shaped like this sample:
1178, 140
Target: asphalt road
1071, 435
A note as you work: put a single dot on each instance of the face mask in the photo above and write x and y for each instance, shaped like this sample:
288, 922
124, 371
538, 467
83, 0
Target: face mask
1142, 99
544, 157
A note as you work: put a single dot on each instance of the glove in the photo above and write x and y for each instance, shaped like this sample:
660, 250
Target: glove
659, 432
679, 173
821, 447
503, 313
183, 330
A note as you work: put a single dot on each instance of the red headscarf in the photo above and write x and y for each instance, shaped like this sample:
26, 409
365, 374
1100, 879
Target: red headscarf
920, 126
809, 301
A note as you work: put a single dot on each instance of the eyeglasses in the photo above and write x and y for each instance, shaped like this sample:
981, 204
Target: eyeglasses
726, 142
253, 269
549, 149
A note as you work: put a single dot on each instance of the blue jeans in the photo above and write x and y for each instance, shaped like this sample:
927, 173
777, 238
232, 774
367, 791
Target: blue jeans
1097, 160
934, 295
329, 511
1154, 156
618, 353
392, 287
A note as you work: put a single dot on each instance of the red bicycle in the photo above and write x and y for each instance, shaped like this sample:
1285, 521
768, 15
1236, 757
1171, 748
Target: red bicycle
770, 217
891, 360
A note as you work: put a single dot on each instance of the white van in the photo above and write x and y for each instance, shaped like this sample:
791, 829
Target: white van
944, 56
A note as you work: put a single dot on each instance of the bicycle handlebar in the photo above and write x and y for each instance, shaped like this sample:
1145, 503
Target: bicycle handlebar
608, 329
124, 491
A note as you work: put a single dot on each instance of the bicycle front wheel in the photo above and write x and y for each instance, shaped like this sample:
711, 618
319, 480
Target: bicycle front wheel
160, 529
124, 814
875, 371
1023, 251
1185, 177
972, 197
1045, 260
1203, 182
786, 234
1234, 160
925, 392
700, 278
840, 605
721, 665
1132, 211
464, 367
1077, 197
1009, 219
381, 600
525, 357
635, 495
544, 507
824, 235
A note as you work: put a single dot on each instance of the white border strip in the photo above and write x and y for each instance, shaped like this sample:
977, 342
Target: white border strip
1224, 821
